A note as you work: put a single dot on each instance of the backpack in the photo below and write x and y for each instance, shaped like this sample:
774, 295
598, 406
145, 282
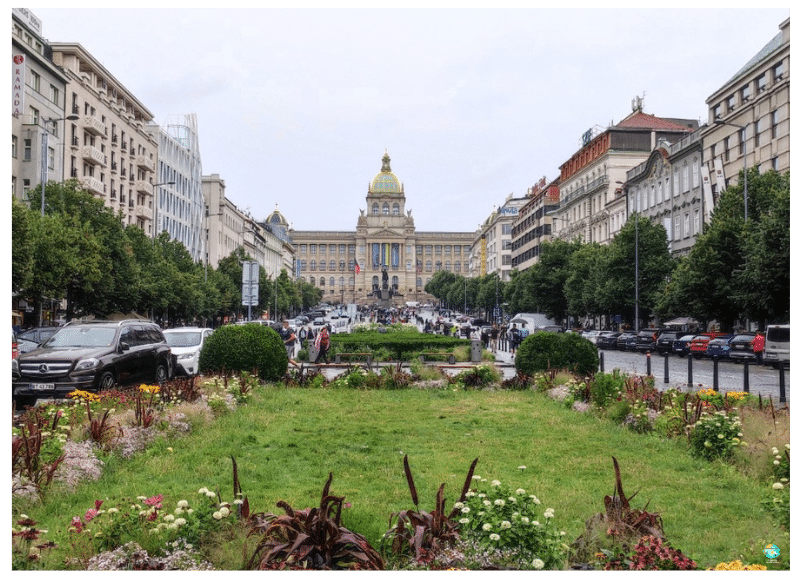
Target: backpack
523, 332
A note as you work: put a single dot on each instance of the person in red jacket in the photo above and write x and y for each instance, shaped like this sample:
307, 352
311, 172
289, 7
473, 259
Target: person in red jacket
758, 346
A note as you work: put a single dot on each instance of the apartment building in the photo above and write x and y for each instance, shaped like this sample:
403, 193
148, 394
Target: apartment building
109, 149
179, 207
590, 179
534, 224
37, 108
748, 116
492, 249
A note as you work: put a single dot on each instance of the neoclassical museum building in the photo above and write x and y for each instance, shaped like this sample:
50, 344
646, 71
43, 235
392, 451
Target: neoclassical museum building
385, 252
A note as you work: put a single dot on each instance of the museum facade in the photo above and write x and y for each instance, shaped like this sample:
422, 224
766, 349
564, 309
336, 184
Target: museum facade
384, 252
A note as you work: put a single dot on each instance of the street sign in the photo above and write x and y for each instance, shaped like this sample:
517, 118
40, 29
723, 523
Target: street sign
249, 283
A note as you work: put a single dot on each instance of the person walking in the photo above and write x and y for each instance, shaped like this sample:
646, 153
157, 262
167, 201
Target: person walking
514, 338
322, 343
493, 334
289, 340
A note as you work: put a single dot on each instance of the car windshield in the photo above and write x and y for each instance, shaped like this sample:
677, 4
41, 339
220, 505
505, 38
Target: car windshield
84, 336
182, 338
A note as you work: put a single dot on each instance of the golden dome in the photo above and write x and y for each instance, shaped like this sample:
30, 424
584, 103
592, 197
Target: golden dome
386, 181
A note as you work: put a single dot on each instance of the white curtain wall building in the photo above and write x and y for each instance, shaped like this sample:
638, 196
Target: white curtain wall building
180, 208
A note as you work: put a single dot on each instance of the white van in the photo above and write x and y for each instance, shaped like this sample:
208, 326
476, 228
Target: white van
776, 345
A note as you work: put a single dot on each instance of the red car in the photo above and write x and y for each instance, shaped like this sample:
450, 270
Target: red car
699, 344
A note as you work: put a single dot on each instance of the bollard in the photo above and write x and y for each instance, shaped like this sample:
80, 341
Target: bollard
648, 365
781, 382
746, 376
666, 367
716, 376
602, 364
689, 371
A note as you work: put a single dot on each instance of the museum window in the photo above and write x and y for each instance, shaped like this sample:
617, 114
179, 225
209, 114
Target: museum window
375, 209
396, 209
385, 209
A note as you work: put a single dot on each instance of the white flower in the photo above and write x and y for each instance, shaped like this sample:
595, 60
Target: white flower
525, 520
225, 512
183, 504
535, 499
512, 499
211, 494
487, 527
499, 502
217, 515
549, 513
180, 522
520, 491
202, 490
777, 485
465, 510
538, 564
505, 524
494, 537
496, 483
470, 494
458, 505
463, 521
536, 523
521, 468
169, 518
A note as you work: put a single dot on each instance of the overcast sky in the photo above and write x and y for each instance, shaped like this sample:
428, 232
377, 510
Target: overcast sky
296, 107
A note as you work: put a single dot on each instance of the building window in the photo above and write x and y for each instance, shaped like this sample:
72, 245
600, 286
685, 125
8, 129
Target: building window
677, 227
36, 81
776, 118
54, 94
313, 248
742, 140
313, 266
745, 93
759, 127
375, 210
676, 182
303, 248
716, 112
726, 151
686, 232
385, 209
697, 222
27, 150
776, 164
731, 103
332, 266
695, 172
13, 146
396, 209
342, 249
322, 264
429, 266
777, 71
323, 249
761, 83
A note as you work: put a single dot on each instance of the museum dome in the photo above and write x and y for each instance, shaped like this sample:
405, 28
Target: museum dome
386, 181
278, 225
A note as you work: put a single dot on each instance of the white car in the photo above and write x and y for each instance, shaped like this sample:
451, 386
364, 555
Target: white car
186, 343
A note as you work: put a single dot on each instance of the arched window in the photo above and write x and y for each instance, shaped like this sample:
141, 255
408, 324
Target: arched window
322, 280
385, 209
322, 264
438, 265
375, 210
341, 265
447, 265
429, 266
333, 266
457, 266
332, 283
313, 265
396, 209
312, 280
341, 281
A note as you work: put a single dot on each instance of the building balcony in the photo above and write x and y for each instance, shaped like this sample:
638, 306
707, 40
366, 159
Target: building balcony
144, 187
144, 212
94, 185
93, 125
145, 163
93, 155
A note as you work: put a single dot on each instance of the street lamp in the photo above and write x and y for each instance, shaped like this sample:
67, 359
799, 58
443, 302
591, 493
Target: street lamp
743, 137
45, 136
155, 207
636, 262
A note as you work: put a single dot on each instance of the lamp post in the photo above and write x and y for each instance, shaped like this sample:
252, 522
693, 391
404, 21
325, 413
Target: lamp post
45, 137
743, 137
155, 207
635, 260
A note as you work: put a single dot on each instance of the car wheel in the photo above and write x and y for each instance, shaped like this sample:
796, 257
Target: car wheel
107, 381
162, 374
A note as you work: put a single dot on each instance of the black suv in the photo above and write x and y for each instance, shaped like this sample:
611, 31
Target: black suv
646, 339
92, 356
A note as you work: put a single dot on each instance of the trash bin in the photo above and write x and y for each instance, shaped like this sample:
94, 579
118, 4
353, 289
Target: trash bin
476, 351
312, 353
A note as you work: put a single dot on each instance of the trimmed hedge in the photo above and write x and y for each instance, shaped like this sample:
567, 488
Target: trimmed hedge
245, 347
401, 345
554, 350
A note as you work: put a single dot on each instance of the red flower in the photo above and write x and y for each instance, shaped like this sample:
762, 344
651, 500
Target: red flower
155, 501
90, 515
98, 503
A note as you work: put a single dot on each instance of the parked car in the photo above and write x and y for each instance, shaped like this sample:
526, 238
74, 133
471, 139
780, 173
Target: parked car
30, 339
719, 347
743, 347
92, 356
607, 340
680, 346
622, 340
666, 339
14, 345
186, 343
590, 335
699, 344
776, 345
646, 339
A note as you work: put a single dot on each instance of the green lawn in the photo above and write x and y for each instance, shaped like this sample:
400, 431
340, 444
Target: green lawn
286, 441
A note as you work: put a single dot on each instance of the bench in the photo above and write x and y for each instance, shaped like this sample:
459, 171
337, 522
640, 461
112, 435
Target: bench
451, 358
349, 355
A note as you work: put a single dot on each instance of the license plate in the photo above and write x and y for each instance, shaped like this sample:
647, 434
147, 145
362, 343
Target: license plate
42, 386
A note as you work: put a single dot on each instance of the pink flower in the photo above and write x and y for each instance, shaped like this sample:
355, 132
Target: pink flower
98, 503
90, 515
155, 501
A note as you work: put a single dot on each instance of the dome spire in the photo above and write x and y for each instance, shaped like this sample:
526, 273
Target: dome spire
385, 166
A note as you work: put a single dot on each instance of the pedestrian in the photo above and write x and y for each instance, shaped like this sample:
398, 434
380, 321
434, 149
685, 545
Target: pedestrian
758, 346
514, 336
523, 333
289, 340
493, 334
322, 343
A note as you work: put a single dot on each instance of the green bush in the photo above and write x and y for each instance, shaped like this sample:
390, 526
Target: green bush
715, 436
552, 350
245, 347
606, 388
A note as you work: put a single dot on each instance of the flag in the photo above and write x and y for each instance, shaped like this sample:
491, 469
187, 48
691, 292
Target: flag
357, 267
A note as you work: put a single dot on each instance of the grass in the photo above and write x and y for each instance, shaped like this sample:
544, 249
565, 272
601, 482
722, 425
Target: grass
287, 441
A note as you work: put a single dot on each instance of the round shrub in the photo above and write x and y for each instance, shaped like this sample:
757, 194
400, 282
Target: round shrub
245, 347
554, 350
